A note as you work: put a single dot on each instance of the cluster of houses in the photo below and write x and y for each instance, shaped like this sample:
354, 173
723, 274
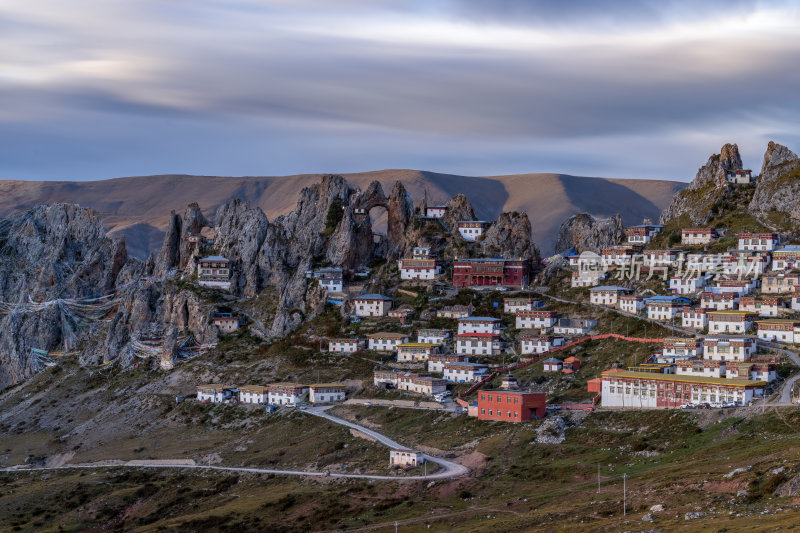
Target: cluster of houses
717, 370
275, 394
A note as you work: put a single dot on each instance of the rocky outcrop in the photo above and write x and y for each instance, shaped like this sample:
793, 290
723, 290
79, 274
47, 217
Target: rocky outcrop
583, 232
509, 236
708, 188
778, 185
458, 208
241, 231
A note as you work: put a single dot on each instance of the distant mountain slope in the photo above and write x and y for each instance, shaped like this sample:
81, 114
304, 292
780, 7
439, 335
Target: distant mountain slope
138, 207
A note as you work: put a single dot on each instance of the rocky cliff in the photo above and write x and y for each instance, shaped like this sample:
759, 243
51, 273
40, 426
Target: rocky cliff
708, 188
778, 187
509, 236
583, 232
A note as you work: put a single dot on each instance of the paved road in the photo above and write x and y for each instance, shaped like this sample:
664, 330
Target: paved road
785, 393
448, 469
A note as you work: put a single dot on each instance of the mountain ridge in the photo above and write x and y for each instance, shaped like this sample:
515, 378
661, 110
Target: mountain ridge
138, 207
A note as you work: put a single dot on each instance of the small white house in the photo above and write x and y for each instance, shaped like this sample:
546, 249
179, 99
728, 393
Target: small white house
435, 211
214, 393
697, 236
537, 344
607, 294
326, 392
408, 352
739, 177
434, 336
665, 307
553, 365
768, 306
786, 258
682, 348
536, 319
479, 324
406, 458
779, 330
569, 326
512, 305
465, 372
729, 348
386, 341
436, 362
736, 322
762, 242
719, 301
227, 322
368, 305
214, 272
631, 303
686, 285
471, 230
694, 318
331, 279
346, 345
421, 265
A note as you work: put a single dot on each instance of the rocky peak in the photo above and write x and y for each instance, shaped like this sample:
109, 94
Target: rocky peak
713, 172
458, 208
584, 232
241, 231
776, 157
778, 186
510, 236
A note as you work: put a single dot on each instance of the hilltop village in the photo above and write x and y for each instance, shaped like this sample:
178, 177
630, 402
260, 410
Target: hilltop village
729, 312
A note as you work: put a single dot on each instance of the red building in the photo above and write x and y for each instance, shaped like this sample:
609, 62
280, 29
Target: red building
490, 272
511, 405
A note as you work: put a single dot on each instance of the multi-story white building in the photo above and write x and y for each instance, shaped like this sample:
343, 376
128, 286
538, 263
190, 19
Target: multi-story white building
729, 348
346, 345
769, 306
682, 348
386, 341
607, 294
479, 324
642, 234
214, 272
742, 287
796, 300
700, 367
536, 344
331, 279
702, 263
618, 255
368, 305
436, 362
786, 331
521, 303
694, 317
465, 372
665, 307
227, 322
660, 258
631, 303
415, 351
739, 177
569, 326
434, 336
780, 283
536, 319
478, 344
695, 236
471, 230
763, 242
736, 322
786, 258
684, 285
719, 301
286, 393
326, 392
421, 265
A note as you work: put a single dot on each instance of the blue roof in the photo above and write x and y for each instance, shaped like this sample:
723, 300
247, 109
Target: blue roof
663, 298
214, 258
789, 248
478, 319
372, 297
610, 288
552, 360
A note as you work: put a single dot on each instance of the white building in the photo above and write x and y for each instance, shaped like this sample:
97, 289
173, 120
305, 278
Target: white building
607, 294
214, 272
682, 348
552, 365
253, 394
642, 234
479, 324
587, 278
471, 230
786, 258
683, 285
698, 236
796, 300
739, 177
426, 385
346, 345
525, 303
700, 367
665, 307
478, 344
406, 458
537, 344
786, 331
536, 319
729, 348
326, 392
719, 301
660, 258
372, 305
436, 211
434, 336
768, 306
286, 393
736, 322
415, 351
630, 303
465, 372
214, 393
694, 317
436, 362
420, 266
569, 326
226, 322
331, 278
385, 341
763, 242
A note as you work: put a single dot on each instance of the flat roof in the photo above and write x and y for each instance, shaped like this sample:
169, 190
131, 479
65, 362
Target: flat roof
736, 382
610, 288
504, 391
215, 258
478, 319
372, 297
417, 345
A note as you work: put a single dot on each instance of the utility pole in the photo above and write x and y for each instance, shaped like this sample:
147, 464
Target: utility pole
395, 527
624, 494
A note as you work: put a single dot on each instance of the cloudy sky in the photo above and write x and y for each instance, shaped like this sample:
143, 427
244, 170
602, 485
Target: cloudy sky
104, 88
